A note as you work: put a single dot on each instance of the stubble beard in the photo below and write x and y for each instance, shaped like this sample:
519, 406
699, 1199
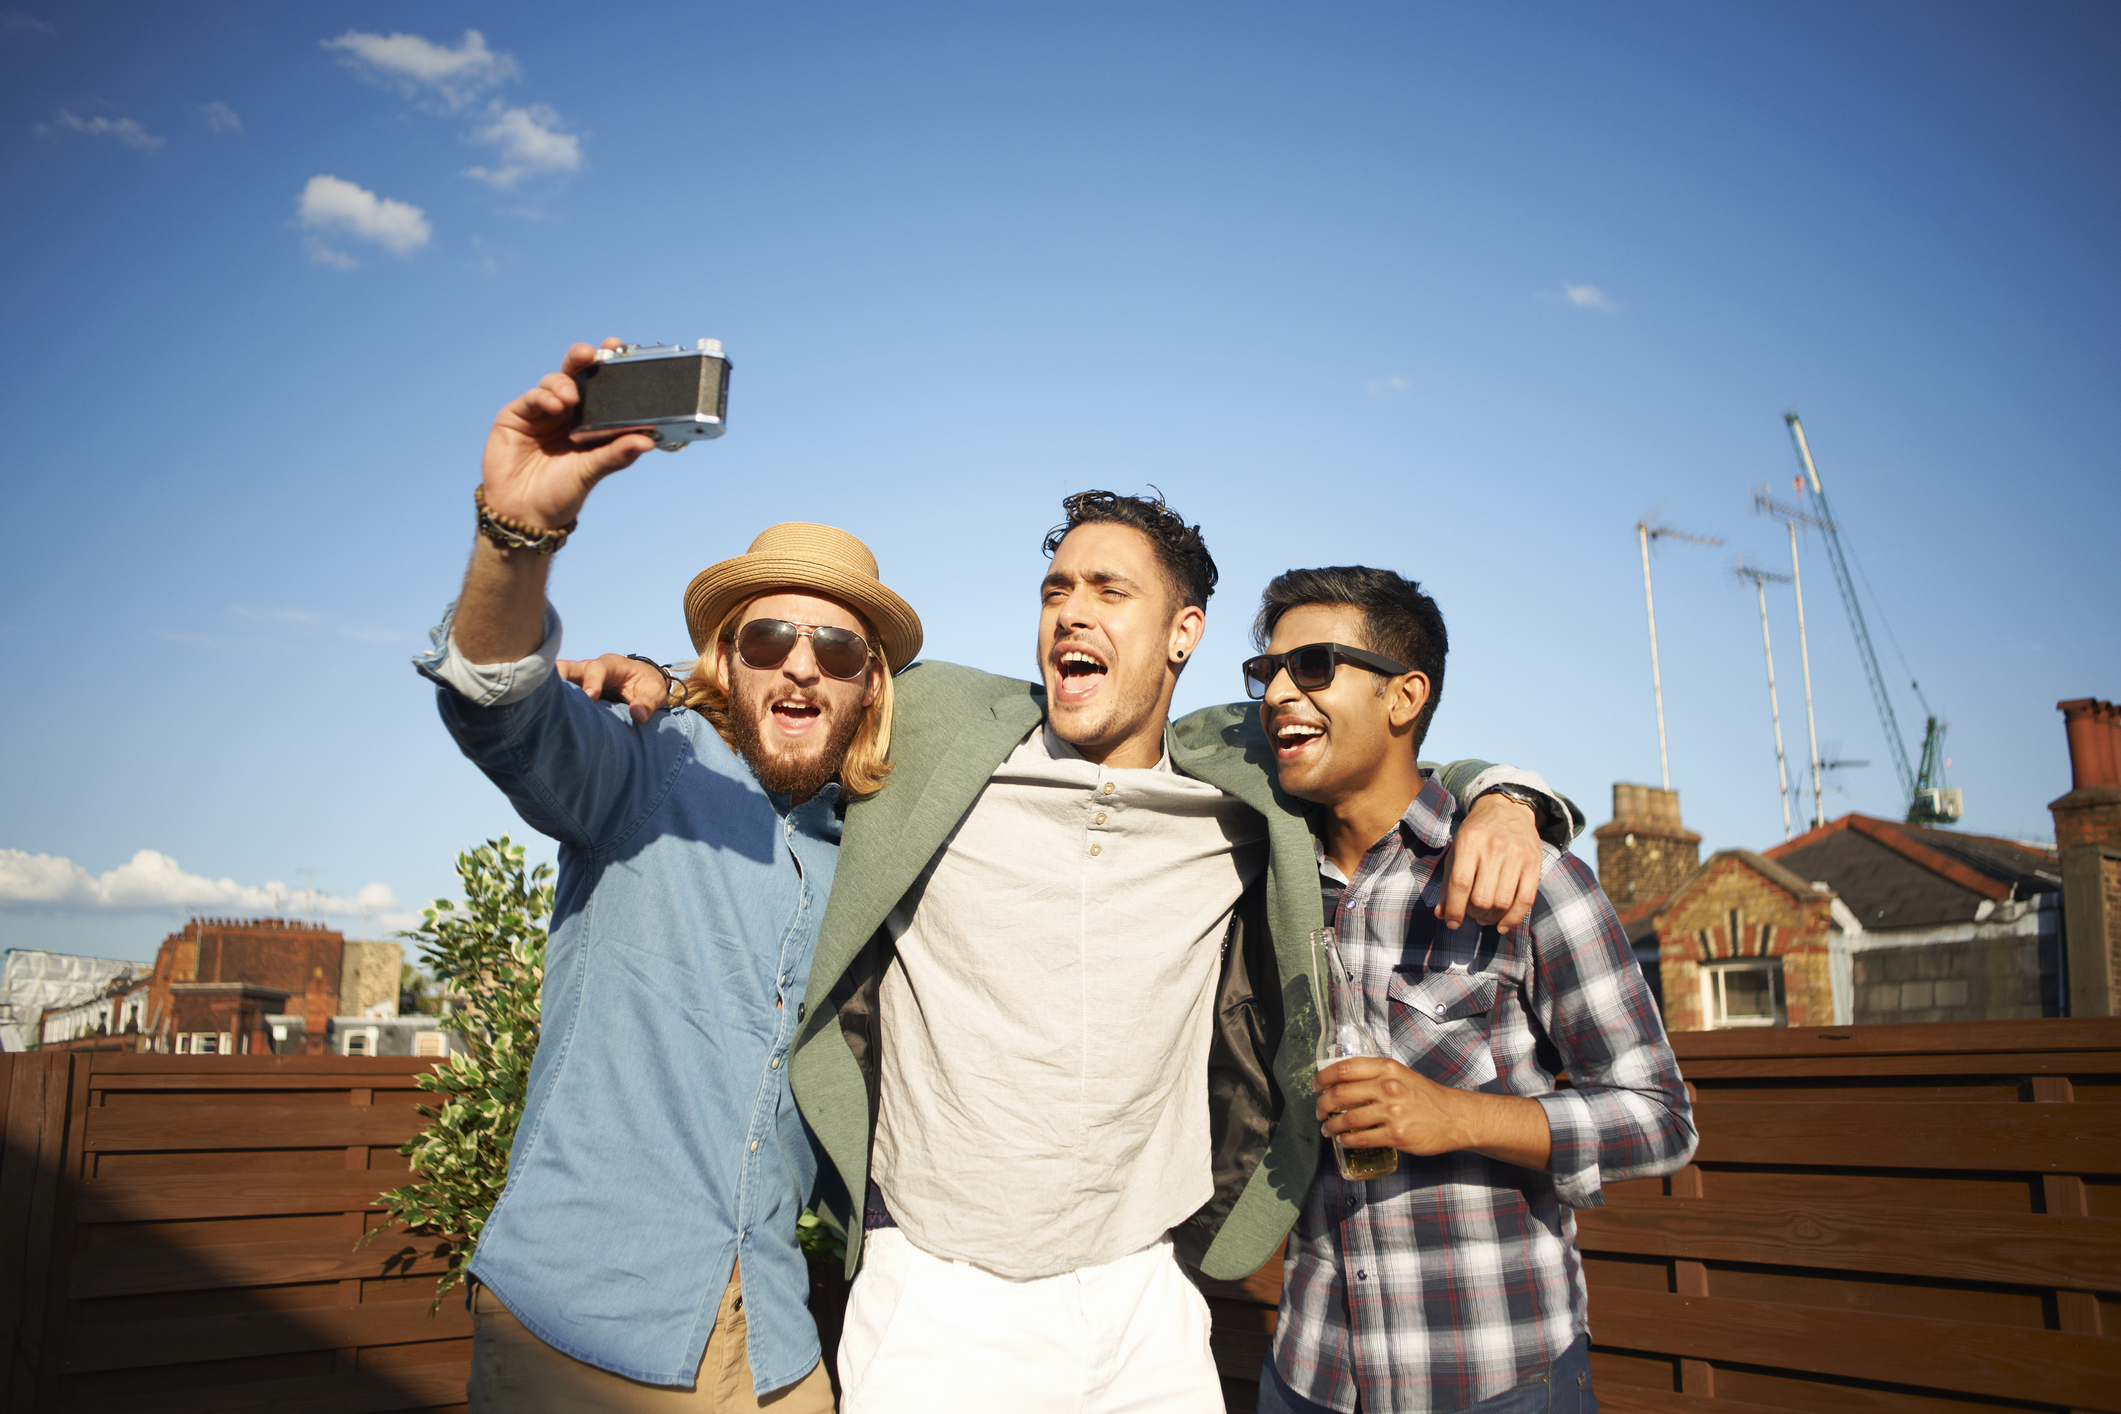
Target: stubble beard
1108, 718
787, 768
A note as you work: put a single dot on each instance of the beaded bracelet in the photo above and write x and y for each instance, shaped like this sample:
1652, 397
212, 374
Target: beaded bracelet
507, 534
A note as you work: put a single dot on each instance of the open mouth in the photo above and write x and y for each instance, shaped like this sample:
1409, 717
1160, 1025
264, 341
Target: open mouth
1081, 672
1293, 740
794, 716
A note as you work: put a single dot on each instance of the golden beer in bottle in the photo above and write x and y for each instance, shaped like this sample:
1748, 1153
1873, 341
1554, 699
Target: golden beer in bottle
1341, 1033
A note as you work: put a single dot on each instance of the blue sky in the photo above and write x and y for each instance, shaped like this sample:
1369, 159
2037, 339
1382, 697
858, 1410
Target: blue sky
1462, 290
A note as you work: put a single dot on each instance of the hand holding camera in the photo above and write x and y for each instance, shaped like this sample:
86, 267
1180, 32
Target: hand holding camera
538, 467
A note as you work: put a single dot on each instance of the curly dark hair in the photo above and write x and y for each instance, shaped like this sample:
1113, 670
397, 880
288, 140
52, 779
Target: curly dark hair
1179, 547
1399, 620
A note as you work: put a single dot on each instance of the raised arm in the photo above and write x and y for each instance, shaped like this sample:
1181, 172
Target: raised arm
536, 474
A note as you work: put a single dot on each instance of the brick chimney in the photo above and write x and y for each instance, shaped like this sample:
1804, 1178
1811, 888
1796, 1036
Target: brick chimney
2088, 833
1644, 852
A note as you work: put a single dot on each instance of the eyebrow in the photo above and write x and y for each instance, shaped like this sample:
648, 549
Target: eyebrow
1058, 580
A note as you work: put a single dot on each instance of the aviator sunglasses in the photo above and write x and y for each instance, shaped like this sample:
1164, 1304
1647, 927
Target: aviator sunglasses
766, 643
1311, 667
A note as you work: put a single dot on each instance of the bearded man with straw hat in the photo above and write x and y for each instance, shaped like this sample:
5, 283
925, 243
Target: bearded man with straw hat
644, 1255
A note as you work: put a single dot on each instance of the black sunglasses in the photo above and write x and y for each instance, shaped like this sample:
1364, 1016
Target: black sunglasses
1311, 667
766, 643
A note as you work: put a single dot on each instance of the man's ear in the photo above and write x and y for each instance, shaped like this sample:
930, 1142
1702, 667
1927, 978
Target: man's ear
873, 684
721, 668
1188, 627
1409, 693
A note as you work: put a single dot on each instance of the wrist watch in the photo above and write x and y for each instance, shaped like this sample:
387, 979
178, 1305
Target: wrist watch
1524, 796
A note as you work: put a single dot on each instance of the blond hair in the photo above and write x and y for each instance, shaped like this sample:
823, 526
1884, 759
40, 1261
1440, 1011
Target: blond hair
868, 761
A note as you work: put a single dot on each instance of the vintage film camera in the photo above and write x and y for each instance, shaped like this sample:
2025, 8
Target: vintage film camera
679, 395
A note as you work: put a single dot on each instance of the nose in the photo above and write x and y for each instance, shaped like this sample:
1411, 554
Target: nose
1281, 688
800, 666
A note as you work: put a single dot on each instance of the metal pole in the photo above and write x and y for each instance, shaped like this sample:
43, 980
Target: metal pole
1782, 775
1664, 764
1804, 650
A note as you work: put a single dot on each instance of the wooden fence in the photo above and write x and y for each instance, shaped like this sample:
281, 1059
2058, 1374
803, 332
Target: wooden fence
178, 1233
1880, 1220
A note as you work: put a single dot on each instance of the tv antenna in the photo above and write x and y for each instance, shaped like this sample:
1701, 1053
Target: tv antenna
1645, 533
1760, 579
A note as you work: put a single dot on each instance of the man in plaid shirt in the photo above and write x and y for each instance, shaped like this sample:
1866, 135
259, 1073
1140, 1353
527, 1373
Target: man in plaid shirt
1454, 1282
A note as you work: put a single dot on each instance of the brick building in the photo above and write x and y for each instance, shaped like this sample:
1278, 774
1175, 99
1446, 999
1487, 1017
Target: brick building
1644, 852
217, 981
1745, 942
114, 1017
1859, 920
1936, 925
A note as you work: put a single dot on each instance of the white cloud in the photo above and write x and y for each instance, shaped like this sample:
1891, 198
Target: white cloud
530, 142
322, 254
329, 204
416, 65
221, 118
1588, 297
152, 882
124, 130
273, 616
12, 25
1390, 387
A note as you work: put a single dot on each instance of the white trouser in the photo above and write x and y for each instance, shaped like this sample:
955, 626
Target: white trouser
926, 1335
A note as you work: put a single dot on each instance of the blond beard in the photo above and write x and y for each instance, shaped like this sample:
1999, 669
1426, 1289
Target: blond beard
785, 774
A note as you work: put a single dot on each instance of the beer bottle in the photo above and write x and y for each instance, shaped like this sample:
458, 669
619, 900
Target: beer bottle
1342, 1033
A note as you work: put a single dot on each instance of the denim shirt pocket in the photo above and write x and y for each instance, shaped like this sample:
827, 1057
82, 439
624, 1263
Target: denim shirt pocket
1440, 1024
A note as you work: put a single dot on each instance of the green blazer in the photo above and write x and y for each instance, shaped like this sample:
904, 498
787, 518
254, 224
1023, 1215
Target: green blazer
953, 726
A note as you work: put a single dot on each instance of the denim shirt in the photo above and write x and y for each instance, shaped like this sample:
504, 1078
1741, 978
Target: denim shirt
659, 1143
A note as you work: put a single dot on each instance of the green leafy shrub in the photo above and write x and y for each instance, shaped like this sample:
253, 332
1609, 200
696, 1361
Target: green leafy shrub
488, 957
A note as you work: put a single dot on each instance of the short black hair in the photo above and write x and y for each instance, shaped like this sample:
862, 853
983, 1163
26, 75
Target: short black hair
1399, 620
1179, 547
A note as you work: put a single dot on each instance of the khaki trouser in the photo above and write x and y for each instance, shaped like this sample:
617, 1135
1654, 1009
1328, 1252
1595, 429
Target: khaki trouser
512, 1370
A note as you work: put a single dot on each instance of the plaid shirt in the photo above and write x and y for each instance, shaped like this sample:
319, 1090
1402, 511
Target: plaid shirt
1457, 1277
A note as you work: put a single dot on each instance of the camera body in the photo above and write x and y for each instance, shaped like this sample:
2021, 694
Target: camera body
679, 395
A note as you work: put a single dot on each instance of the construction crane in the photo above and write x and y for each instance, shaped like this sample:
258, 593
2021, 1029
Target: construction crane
1930, 801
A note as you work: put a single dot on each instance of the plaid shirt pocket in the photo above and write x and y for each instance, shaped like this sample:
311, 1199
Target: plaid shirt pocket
1440, 1025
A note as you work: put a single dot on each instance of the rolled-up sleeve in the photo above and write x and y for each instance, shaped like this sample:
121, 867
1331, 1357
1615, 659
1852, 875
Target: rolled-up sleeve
1626, 1114
489, 684
1468, 780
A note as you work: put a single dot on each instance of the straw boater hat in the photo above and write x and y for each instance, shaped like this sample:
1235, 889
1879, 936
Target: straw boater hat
815, 559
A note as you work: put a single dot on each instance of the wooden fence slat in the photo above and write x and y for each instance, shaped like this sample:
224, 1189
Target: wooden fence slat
1914, 1038
2081, 1372
356, 1392
1634, 1399
334, 1125
2024, 1249
130, 1272
351, 1068
73, 1163
29, 1168
180, 1196
133, 1344
1831, 1067
332, 1084
1901, 1134
53, 1082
